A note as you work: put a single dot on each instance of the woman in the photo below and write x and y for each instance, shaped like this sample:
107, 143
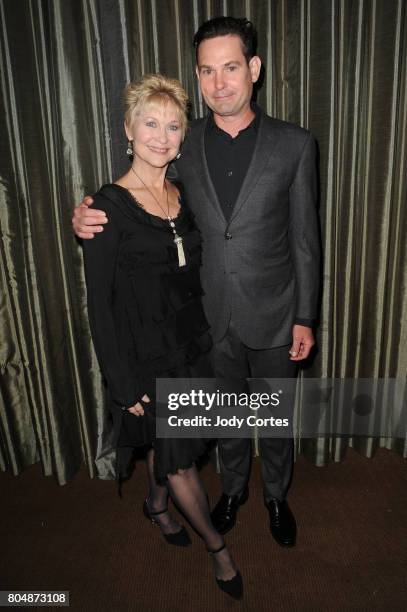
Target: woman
146, 317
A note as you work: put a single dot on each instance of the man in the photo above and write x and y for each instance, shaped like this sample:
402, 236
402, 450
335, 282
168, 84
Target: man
251, 183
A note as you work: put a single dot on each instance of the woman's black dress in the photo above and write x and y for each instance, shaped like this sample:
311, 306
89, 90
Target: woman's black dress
146, 319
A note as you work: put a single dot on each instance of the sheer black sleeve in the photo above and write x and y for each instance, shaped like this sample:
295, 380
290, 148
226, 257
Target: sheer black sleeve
100, 255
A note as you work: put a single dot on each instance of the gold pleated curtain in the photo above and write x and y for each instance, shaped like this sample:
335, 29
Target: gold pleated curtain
337, 67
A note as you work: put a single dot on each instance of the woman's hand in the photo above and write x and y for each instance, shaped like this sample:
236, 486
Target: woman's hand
138, 409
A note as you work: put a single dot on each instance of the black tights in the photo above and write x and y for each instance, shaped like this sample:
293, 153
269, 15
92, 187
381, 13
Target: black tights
187, 491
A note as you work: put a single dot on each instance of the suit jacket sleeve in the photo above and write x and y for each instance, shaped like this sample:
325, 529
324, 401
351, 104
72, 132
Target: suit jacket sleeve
304, 232
100, 255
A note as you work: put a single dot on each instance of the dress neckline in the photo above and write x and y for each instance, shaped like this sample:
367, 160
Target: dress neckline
141, 207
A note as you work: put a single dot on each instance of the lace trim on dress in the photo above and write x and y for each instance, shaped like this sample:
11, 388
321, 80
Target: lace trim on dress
140, 205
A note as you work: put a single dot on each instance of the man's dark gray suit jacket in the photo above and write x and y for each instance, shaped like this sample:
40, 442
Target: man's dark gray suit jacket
262, 266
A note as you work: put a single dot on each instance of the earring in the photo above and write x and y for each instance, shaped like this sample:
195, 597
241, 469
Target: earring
129, 151
178, 155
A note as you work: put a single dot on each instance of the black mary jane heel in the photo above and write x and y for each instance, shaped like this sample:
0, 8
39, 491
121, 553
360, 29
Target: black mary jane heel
232, 587
180, 538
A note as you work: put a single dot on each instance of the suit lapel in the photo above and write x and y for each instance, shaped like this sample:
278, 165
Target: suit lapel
267, 139
201, 168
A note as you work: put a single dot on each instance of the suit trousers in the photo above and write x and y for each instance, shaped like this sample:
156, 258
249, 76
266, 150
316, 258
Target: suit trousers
234, 362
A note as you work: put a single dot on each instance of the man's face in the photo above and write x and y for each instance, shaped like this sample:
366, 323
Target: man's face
225, 78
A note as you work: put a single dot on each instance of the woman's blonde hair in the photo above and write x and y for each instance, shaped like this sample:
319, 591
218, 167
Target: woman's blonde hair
155, 88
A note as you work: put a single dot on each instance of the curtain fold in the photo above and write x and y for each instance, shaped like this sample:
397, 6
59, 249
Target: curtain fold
337, 67
55, 138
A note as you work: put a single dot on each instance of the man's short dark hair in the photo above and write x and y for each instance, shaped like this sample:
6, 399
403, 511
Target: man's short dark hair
224, 26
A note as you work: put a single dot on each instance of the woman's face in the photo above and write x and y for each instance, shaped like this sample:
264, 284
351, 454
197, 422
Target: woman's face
156, 133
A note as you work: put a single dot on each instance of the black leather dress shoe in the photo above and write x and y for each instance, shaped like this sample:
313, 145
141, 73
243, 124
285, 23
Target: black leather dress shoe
224, 513
282, 522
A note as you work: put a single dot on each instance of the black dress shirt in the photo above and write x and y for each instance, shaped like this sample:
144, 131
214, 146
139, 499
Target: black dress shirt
228, 160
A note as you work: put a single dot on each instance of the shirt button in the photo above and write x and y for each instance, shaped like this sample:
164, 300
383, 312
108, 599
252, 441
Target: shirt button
228, 236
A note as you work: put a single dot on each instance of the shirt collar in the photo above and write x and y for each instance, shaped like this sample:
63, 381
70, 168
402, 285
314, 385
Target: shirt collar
254, 125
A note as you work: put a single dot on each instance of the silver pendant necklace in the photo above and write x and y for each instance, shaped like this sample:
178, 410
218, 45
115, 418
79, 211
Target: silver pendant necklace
177, 239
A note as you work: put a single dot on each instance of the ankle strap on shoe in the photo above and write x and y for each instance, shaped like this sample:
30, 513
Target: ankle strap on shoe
214, 552
155, 513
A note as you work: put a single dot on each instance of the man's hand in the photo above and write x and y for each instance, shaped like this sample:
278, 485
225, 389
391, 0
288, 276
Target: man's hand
303, 341
138, 409
87, 222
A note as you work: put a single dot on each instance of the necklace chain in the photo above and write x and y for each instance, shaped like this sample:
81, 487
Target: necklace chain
177, 239
151, 193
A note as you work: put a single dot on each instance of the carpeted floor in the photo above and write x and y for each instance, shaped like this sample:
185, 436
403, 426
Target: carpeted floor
351, 552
